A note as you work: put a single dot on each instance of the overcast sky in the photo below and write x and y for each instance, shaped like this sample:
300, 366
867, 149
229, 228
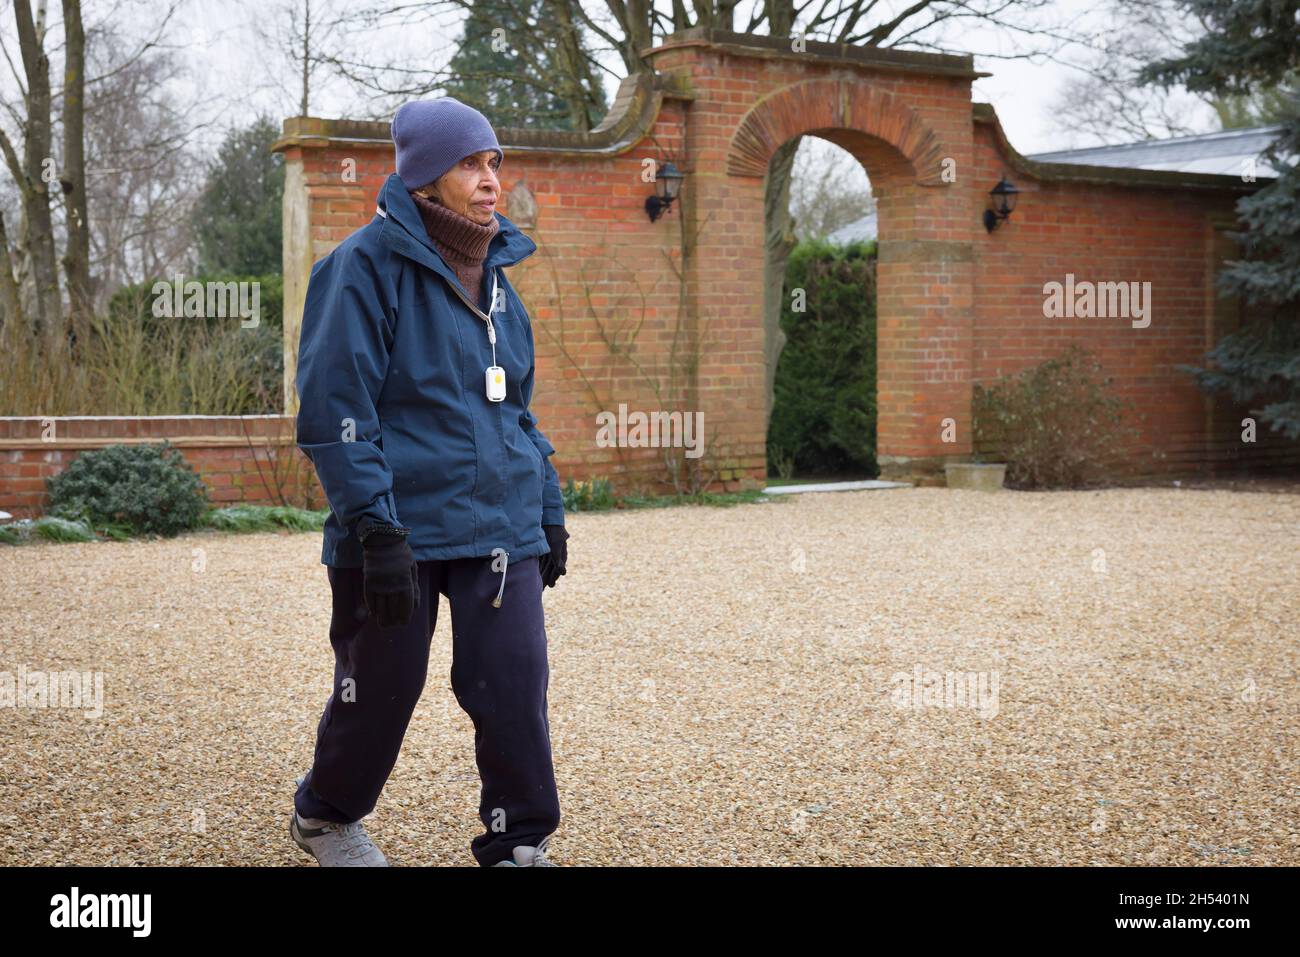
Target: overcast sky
235, 66
238, 58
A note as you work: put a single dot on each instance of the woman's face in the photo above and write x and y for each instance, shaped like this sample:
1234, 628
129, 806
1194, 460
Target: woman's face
470, 188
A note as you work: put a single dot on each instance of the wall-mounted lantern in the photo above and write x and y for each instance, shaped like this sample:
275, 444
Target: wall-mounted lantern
668, 183
1002, 200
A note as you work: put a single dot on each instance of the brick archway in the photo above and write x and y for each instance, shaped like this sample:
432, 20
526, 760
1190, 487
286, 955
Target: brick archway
923, 352
843, 102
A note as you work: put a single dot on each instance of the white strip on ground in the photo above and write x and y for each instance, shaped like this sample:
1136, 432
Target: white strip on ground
833, 487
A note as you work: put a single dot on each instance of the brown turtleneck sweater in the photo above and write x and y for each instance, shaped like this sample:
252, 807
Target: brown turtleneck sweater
462, 242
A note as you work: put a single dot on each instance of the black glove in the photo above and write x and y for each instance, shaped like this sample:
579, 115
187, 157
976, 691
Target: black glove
552, 565
391, 584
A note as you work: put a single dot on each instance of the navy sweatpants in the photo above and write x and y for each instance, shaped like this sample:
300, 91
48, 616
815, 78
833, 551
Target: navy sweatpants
499, 675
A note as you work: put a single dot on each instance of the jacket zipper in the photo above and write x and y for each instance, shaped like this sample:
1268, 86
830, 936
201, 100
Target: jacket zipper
455, 287
492, 334
492, 338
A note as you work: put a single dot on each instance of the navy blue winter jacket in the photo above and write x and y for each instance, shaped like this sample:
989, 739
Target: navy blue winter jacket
393, 410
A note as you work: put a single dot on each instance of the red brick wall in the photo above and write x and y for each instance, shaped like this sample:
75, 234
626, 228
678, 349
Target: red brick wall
1116, 233
239, 459
602, 273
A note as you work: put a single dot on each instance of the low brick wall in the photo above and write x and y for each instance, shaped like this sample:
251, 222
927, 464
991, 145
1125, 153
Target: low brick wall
255, 460
251, 459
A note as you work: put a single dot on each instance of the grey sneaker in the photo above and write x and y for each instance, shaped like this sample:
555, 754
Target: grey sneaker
334, 844
526, 856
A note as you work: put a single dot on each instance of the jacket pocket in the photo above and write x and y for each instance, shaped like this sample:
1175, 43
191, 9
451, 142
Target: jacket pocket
434, 489
527, 482
540, 458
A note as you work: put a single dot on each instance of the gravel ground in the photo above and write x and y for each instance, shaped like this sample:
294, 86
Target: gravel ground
726, 691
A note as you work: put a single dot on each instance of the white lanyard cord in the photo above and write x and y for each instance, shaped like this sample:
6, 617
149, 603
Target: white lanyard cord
492, 335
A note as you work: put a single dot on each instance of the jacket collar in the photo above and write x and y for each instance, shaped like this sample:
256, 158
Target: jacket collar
404, 232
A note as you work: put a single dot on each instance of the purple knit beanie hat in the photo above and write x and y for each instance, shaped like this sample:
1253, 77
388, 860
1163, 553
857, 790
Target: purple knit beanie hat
433, 135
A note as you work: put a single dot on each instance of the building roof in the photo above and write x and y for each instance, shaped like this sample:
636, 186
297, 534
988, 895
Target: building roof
862, 228
1225, 152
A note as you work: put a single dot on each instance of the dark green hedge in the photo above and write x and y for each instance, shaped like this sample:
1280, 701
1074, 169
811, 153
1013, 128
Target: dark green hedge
824, 401
137, 299
260, 348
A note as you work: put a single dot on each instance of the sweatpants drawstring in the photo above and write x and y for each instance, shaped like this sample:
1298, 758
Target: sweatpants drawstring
505, 562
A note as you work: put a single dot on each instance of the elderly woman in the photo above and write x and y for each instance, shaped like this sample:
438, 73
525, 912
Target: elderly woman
415, 372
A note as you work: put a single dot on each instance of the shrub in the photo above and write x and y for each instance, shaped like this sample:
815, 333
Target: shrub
49, 528
824, 395
590, 496
1055, 425
263, 518
127, 361
143, 489
179, 365
136, 300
